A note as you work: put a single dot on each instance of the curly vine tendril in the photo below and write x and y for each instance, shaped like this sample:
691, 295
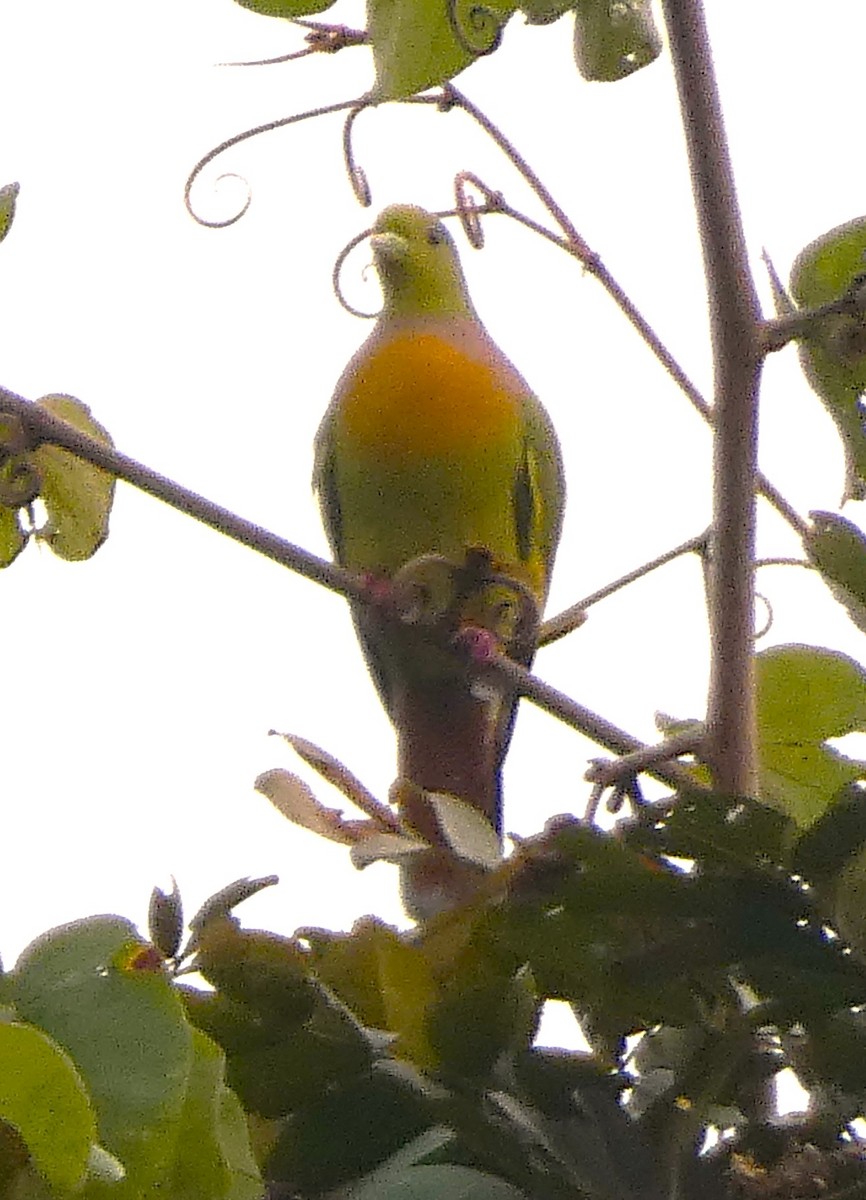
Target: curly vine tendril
243, 137
477, 29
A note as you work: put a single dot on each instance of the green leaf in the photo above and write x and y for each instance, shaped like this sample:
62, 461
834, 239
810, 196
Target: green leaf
833, 357
12, 537
438, 1181
849, 908
544, 12
77, 496
264, 971
715, 830
286, 8
614, 38
417, 45
103, 995
347, 1131
386, 981
483, 1013
838, 549
8, 197
806, 695
824, 849
214, 1156
45, 1099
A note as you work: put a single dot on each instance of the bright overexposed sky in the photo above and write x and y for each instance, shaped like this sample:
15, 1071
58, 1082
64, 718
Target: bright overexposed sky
138, 688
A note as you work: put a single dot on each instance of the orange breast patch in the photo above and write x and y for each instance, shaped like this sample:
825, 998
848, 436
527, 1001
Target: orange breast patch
421, 395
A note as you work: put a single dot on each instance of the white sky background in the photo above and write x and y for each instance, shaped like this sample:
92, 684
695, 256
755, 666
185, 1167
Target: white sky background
138, 688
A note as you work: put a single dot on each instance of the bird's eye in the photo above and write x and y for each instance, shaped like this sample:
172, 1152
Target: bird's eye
437, 234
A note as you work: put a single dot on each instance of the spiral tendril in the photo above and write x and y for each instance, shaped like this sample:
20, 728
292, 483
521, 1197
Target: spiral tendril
243, 137
335, 276
479, 23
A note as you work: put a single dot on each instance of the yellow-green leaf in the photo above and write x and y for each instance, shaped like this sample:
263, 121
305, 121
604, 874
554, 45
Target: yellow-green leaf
833, 357
417, 45
8, 197
43, 1096
76, 495
12, 537
806, 695
286, 8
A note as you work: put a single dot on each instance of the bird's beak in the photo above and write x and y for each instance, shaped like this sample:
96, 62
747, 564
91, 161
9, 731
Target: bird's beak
388, 246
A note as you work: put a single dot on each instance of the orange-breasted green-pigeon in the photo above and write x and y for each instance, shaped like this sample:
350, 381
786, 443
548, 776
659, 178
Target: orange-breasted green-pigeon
434, 448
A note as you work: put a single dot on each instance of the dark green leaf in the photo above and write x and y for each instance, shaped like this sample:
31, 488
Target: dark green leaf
614, 38
442, 1181
715, 830
839, 834
346, 1132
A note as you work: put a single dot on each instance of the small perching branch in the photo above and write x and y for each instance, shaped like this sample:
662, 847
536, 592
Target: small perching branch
572, 617
736, 328
43, 427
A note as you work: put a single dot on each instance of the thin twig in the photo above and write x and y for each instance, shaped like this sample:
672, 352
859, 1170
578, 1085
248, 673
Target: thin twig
567, 620
614, 739
575, 245
645, 760
735, 324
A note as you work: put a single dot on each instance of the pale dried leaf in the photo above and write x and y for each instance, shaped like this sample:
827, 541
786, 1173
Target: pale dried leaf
469, 833
295, 800
335, 773
384, 847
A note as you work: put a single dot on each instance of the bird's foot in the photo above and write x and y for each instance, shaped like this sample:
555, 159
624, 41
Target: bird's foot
477, 643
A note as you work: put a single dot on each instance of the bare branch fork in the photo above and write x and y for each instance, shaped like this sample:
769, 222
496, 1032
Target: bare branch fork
42, 427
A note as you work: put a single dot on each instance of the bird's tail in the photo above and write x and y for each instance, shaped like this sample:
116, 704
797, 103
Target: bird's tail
449, 741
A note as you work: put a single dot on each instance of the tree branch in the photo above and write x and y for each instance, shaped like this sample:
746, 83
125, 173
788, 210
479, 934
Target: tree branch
735, 323
41, 426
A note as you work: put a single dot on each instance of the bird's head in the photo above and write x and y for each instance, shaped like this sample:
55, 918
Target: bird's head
418, 264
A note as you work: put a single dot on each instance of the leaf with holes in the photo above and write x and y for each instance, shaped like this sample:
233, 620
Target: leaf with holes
77, 496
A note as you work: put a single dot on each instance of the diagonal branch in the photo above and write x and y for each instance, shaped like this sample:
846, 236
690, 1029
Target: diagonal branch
43, 427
